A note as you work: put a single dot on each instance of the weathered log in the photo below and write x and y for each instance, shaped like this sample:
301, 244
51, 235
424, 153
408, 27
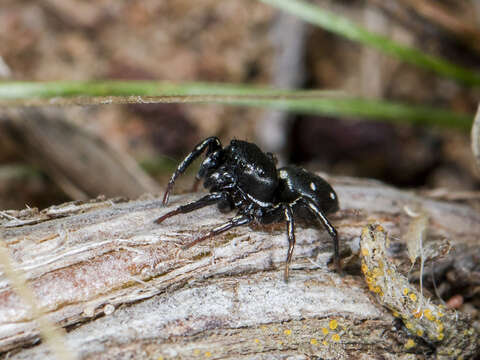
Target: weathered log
123, 287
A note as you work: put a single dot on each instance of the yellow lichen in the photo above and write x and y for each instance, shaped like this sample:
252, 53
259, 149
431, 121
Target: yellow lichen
313, 341
364, 268
428, 314
413, 297
364, 232
376, 272
405, 291
257, 341
336, 337
325, 331
410, 344
439, 327
333, 324
287, 332
380, 264
419, 332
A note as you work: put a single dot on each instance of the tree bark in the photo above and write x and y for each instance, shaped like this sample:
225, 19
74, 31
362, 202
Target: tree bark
123, 287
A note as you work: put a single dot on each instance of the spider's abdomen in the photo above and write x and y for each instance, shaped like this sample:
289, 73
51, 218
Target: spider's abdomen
295, 182
255, 171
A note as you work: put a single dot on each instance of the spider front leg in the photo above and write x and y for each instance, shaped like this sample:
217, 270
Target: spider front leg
202, 202
212, 143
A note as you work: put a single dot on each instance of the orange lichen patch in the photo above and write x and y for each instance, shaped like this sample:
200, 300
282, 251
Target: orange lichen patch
417, 314
333, 324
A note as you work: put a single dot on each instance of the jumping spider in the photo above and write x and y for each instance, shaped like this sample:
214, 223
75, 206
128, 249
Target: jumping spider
241, 176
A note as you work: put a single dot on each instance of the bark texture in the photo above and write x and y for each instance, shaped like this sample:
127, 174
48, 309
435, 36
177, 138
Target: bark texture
123, 287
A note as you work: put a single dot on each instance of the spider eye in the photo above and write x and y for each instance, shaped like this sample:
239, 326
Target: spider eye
332, 196
313, 186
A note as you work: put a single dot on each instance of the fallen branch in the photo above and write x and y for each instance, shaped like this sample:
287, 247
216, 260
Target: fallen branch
122, 285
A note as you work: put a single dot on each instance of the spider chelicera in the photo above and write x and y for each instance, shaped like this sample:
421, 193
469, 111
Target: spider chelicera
241, 176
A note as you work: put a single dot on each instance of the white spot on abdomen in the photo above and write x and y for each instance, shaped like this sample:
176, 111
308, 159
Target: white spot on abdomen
313, 186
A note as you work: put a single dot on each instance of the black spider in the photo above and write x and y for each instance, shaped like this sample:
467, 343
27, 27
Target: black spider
241, 176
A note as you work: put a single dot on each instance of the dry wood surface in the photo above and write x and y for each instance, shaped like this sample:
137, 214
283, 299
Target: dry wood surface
123, 288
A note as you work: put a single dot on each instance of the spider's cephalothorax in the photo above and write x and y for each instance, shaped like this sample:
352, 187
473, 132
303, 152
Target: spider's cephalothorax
241, 176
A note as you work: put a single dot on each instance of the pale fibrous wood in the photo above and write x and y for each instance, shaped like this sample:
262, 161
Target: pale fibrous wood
123, 287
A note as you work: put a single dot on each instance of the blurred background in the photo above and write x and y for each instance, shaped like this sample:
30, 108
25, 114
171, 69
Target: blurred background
243, 42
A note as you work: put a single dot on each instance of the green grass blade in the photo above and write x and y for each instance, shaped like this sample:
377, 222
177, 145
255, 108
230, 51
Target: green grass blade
344, 27
306, 102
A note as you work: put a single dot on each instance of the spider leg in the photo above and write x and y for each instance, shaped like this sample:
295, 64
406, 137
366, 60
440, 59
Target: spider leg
202, 202
238, 220
279, 212
213, 143
291, 237
329, 227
